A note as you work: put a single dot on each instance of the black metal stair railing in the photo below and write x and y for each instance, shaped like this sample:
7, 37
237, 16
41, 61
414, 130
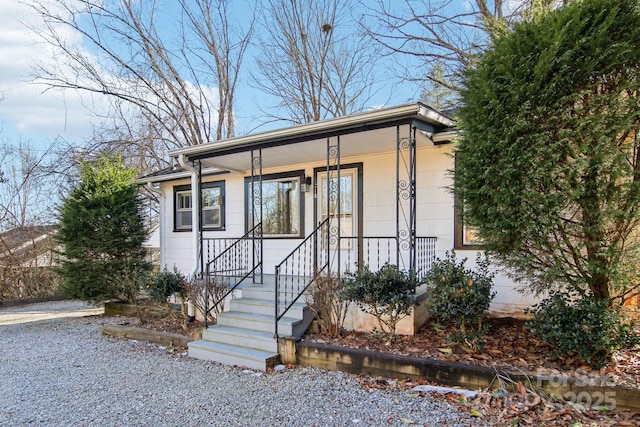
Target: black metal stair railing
375, 251
299, 269
240, 260
213, 246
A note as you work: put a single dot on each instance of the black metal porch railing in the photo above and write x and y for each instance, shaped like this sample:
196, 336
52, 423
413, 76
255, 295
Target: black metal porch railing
311, 258
299, 269
240, 260
213, 246
375, 251
425, 255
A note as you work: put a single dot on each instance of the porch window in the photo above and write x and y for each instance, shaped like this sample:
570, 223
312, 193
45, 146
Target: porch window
212, 206
281, 205
183, 210
465, 237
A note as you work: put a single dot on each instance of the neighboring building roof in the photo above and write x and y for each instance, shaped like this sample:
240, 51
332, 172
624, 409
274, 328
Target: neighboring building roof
22, 240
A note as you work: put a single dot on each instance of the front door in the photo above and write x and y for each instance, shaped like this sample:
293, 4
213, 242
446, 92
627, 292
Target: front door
340, 200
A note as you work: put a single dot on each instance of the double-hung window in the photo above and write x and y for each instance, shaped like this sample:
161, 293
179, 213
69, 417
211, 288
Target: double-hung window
279, 202
465, 236
184, 206
212, 207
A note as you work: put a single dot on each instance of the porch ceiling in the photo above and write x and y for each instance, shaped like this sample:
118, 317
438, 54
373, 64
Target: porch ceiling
351, 145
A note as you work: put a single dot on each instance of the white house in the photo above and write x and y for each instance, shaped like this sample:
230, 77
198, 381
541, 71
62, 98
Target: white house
276, 208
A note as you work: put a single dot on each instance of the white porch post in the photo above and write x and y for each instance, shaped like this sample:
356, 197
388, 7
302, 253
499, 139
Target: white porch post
195, 215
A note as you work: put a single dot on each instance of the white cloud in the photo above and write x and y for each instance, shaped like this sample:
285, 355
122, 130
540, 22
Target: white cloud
27, 111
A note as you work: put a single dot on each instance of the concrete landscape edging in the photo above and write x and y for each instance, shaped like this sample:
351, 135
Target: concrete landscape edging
168, 339
473, 377
26, 301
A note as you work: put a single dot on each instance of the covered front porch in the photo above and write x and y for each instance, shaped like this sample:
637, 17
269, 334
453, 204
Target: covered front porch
313, 200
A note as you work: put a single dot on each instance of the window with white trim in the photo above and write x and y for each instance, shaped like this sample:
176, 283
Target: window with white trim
212, 207
183, 210
465, 236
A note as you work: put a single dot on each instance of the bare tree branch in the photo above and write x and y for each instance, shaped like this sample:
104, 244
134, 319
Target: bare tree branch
26, 188
445, 36
312, 61
179, 86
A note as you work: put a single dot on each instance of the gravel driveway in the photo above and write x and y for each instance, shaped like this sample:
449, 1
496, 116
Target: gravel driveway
57, 369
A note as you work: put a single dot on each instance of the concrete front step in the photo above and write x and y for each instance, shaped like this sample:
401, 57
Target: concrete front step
265, 341
266, 291
245, 334
259, 322
260, 306
233, 355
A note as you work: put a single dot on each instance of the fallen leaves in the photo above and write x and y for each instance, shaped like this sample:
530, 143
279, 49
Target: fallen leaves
509, 345
520, 406
514, 409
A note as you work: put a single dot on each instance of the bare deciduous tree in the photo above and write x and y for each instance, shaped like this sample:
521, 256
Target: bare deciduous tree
26, 205
25, 187
445, 36
313, 61
223, 41
161, 79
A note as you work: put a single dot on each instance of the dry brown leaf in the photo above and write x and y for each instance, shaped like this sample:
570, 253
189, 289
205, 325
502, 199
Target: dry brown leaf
534, 402
522, 391
549, 416
481, 356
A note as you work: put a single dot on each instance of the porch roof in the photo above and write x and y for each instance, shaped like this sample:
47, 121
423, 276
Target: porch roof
360, 134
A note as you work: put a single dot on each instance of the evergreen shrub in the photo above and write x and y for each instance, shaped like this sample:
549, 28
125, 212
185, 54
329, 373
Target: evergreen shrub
388, 294
582, 326
460, 297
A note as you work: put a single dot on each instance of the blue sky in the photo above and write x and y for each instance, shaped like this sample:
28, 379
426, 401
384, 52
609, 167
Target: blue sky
29, 113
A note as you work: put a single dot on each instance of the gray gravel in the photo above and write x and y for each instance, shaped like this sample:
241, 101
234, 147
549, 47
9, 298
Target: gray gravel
57, 369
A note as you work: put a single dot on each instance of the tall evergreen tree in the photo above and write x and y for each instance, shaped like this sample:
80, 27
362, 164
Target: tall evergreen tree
101, 231
549, 165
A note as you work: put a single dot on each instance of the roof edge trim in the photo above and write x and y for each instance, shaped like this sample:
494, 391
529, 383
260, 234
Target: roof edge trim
407, 110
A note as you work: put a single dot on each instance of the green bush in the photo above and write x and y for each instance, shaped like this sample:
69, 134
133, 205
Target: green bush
388, 294
584, 326
460, 297
166, 283
163, 284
